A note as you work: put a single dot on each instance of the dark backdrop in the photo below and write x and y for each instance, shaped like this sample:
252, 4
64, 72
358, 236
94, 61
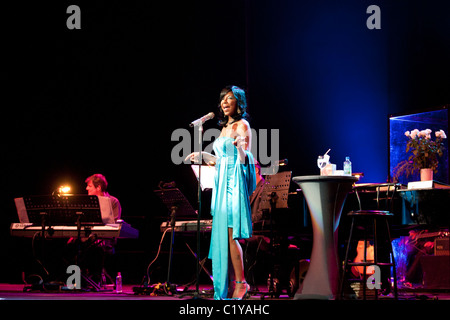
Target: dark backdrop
107, 98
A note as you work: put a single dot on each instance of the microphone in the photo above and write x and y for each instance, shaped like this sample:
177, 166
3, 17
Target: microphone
282, 162
202, 120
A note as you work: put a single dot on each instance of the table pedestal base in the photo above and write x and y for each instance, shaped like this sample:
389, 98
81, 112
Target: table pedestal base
325, 196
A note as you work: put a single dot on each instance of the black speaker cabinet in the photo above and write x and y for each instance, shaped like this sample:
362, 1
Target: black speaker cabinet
436, 272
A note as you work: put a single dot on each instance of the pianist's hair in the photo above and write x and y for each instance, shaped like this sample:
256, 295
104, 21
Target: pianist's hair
98, 180
241, 104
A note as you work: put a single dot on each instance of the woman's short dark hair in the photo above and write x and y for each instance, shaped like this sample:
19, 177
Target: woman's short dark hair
241, 103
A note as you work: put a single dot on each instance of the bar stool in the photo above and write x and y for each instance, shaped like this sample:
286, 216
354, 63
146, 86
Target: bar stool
371, 222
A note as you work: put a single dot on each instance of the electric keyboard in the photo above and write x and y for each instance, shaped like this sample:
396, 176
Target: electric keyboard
116, 230
188, 226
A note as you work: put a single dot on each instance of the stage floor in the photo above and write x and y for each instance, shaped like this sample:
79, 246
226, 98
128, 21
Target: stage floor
135, 292
129, 292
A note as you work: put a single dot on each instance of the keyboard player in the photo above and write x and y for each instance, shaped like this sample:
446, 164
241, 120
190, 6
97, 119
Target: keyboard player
95, 249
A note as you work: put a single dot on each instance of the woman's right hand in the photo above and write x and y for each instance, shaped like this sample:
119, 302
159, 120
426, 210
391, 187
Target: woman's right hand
194, 157
208, 158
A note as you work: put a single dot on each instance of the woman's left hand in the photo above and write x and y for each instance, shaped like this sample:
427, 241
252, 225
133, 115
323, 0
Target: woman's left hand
241, 144
240, 141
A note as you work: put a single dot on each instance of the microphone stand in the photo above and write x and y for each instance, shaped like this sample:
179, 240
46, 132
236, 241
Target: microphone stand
199, 197
196, 294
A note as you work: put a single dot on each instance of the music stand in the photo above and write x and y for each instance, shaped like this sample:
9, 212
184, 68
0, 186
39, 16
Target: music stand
276, 191
60, 210
178, 205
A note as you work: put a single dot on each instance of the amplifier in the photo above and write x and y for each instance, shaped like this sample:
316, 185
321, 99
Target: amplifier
442, 246
435, 272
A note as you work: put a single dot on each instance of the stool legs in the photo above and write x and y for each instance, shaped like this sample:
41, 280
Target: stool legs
375, 252
394, 271
341, 287
376, 262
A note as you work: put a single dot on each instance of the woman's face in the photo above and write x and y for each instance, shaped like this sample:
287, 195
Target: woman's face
229, 104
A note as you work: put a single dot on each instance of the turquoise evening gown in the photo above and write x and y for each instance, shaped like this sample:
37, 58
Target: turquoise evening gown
230, 207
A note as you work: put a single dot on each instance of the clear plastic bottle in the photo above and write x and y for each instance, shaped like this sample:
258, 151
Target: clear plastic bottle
119, 283
347, 167
103, 282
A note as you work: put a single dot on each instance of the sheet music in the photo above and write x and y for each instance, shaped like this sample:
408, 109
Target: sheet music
207, 179
21, 210
106, 209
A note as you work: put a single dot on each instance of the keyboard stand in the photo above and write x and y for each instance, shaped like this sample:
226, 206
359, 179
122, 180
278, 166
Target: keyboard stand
178, 205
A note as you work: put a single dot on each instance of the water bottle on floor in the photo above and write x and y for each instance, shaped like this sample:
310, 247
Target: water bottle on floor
119, 283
